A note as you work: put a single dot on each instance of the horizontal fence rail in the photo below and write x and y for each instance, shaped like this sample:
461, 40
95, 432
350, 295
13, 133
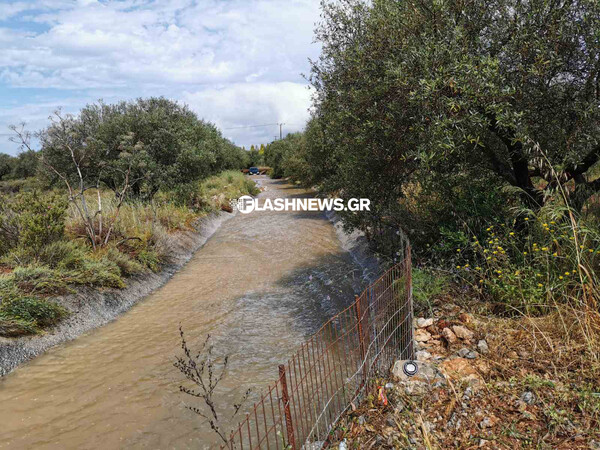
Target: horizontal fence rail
333, 368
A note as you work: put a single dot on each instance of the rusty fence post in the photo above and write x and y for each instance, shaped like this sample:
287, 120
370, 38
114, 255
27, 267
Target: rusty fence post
361, 343
286, 408
409, 300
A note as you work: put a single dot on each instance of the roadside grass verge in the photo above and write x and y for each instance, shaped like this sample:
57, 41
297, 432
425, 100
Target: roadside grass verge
36, 267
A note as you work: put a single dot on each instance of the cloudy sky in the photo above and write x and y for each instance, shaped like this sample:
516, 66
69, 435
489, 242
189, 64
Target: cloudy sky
237, 63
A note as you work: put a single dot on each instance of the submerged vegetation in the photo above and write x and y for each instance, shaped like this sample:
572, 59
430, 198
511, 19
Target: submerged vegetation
90, 217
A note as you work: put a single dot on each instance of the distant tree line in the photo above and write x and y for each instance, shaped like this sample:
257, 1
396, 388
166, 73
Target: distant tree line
24, 165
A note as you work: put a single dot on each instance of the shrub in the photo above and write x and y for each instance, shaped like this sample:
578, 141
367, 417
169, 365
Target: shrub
97, 271
39, 280
178, 147
150, 259
63, 255
531, 265
126, 264
35, 311
11, 327
427, 284
31, 220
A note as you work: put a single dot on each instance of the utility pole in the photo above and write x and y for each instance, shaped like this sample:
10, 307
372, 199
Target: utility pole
280, 132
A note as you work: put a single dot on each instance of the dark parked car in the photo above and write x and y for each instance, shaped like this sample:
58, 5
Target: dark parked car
253, 171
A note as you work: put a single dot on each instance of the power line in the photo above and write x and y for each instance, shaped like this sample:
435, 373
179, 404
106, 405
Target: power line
253, 126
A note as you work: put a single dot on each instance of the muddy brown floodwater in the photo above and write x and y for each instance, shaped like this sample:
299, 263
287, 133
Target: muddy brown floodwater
260, 285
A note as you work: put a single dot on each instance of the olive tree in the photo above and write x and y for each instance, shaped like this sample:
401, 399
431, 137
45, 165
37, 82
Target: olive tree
448, 94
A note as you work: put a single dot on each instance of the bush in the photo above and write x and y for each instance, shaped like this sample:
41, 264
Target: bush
150, 259
34, 311
533, 266
96, 271
39, 280
31, 220
427, 284
11, 327
126, 264
63, 255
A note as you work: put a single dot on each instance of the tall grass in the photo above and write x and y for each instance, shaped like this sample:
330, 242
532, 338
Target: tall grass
542, 267
140, 242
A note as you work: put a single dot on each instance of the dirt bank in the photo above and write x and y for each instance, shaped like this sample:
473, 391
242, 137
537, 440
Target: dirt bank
91, 307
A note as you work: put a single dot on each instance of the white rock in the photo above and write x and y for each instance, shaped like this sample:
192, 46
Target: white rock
462, 332
449, 335
424, 323
422, 335
423, 355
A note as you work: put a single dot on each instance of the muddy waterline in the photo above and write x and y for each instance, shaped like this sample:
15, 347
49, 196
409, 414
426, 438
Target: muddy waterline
259, 286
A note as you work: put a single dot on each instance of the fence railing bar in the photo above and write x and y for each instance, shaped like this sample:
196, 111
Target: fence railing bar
353, 399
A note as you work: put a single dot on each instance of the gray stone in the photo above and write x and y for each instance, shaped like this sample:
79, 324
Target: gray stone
423, 355
485, 423
482, 347
317, 445
467, 353
426, 371
528, 397
390, 420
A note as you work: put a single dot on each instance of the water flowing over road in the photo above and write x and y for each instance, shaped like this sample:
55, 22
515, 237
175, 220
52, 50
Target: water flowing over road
260, 285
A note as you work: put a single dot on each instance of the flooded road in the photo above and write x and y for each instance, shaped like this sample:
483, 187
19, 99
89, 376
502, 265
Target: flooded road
260, 285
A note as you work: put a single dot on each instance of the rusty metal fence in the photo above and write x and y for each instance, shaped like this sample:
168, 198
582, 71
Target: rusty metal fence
334, 367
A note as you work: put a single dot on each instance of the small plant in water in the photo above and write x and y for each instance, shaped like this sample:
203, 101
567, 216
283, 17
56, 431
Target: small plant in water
206, 371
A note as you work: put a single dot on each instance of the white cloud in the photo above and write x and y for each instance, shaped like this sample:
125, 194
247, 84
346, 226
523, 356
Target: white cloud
231, 106
236, 62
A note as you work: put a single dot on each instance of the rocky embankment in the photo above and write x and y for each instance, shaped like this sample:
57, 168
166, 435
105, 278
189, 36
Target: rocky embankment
478, 385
